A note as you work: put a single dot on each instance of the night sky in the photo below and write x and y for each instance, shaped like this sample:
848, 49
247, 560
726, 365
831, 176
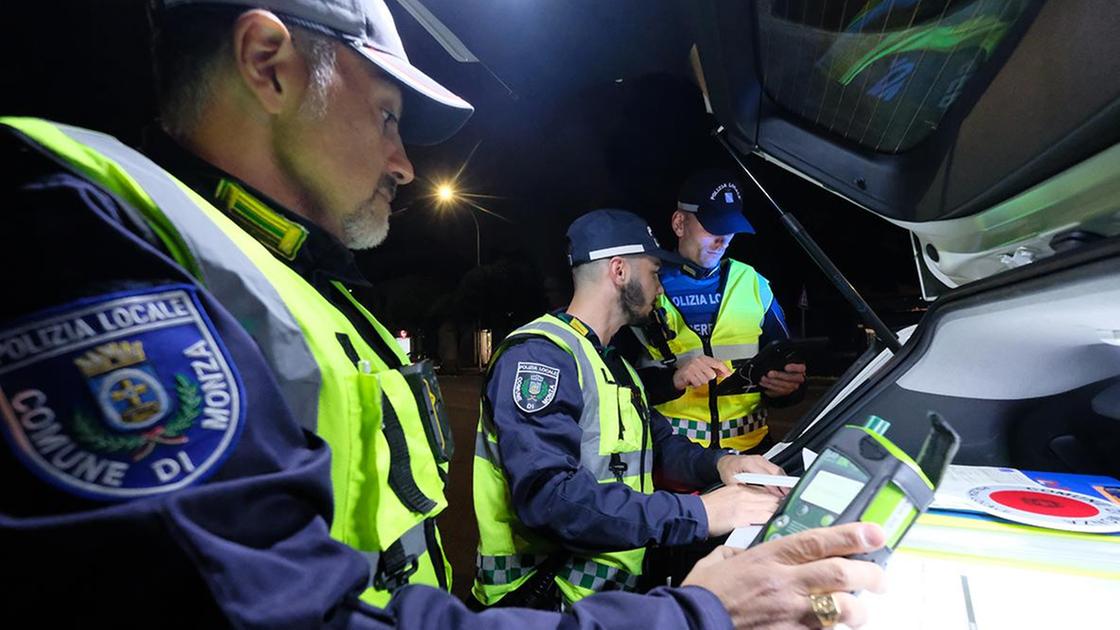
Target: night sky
594, 108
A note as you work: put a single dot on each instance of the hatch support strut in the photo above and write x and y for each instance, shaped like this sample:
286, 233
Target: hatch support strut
869, 317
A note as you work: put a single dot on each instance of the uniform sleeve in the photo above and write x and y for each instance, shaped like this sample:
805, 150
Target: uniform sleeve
551, 492
774, 327
680, 462
213, 513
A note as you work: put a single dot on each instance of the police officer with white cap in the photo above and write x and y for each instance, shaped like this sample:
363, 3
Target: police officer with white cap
158, 363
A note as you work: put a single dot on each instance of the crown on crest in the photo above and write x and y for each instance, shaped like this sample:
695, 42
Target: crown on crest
111, 356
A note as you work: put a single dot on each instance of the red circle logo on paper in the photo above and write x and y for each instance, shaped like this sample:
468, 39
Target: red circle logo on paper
1045, 504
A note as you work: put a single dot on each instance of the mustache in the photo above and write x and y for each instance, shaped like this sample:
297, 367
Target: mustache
389, 185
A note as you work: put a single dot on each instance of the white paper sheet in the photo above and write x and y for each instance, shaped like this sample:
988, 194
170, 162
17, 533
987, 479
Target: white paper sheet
926, 593
952, 494
781, 481
742, 537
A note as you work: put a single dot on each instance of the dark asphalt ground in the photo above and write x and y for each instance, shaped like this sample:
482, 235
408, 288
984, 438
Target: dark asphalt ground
457, 524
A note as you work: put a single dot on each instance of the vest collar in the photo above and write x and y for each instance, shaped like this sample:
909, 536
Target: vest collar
307, 248
577, 325
695, 271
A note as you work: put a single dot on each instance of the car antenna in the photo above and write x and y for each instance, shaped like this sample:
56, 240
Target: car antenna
790, 222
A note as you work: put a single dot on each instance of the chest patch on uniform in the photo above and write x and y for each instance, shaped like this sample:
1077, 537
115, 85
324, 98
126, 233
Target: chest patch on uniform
534, 386
119, 396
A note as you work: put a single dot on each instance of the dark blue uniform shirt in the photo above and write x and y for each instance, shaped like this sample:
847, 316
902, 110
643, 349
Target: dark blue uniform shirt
217, 514
552, 493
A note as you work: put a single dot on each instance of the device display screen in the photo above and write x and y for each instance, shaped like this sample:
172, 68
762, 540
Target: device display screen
835, 481
831, 491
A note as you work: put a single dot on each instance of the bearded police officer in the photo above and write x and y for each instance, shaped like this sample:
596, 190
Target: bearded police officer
718, 310
157, 364
567, 445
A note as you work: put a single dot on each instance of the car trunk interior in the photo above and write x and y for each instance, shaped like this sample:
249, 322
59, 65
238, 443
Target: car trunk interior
1024, 365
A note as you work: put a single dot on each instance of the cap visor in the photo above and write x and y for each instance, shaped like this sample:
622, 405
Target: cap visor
725, 223
432, 112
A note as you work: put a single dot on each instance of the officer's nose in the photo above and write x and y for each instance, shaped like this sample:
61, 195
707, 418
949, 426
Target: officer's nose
399, 166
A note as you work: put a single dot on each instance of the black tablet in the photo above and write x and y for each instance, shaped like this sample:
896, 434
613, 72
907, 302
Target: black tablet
775, 356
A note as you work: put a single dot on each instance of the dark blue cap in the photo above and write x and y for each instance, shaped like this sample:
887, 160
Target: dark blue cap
714, 197
607, 233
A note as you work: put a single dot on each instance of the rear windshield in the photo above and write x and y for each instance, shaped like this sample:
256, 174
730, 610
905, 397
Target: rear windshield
880, 73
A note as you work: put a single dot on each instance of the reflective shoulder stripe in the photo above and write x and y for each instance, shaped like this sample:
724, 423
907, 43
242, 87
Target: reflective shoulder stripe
691, 354
590, 418
733, 352
94, 166
647, 358
228, 273
589, 421
412, 543
486, 448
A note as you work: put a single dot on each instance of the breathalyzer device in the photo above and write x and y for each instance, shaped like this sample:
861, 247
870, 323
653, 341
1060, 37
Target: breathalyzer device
861, 476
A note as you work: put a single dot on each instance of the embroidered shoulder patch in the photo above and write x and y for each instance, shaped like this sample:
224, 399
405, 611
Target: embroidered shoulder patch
534, 386
120, 396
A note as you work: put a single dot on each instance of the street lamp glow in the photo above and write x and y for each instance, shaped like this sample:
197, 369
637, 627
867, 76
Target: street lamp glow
445, 192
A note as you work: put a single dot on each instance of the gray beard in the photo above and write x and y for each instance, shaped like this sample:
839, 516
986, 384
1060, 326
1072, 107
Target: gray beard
365, 228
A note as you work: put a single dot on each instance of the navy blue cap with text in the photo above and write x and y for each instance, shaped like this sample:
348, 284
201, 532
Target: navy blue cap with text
608, 232
714, 198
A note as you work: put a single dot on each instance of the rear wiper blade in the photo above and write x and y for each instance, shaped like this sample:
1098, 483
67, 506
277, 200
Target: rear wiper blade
863, 309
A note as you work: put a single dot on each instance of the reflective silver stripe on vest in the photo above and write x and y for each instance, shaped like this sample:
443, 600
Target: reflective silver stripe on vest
645, 360
598, 577
733, 352
685, 356
633, 461
228, 274
414, 543
486, 449
499, 570
589, 422
648, 361
589, 419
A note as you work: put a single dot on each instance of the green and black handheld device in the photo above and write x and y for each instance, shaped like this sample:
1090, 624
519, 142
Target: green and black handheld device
861, 476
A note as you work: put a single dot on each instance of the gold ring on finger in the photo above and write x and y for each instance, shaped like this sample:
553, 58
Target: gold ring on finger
825, 608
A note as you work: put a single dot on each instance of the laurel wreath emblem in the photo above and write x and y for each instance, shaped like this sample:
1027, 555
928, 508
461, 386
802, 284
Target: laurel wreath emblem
90, 434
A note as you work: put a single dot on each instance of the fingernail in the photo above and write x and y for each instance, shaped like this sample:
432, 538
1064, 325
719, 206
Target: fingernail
872, 535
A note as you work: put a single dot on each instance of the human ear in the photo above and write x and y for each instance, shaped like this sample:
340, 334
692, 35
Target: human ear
267, 62
678, 223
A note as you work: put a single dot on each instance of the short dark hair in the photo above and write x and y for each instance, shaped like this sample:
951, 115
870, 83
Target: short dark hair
188, 44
